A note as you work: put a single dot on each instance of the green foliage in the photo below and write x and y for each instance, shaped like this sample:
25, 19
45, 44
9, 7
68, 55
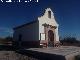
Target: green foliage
8, 38
5, 40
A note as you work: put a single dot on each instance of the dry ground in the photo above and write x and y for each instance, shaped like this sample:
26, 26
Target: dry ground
7, 55
69, 52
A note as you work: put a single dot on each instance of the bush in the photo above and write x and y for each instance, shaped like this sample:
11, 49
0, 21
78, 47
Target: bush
69, 40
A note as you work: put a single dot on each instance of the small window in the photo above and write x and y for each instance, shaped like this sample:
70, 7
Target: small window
49, 14
20, 37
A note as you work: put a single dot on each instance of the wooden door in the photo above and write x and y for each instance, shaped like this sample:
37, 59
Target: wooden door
50, 38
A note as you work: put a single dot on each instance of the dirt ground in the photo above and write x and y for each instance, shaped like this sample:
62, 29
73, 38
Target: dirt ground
69, 52
7, 55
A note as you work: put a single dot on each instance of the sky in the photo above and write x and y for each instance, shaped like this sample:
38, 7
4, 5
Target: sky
66, 12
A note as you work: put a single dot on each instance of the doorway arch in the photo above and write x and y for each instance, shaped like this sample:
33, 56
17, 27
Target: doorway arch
50, 38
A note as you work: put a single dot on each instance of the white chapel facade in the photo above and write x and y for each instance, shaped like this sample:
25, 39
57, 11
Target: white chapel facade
40, 32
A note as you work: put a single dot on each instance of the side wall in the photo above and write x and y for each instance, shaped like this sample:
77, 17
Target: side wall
30, 33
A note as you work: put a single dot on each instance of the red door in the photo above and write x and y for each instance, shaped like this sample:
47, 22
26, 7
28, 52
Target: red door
50, 38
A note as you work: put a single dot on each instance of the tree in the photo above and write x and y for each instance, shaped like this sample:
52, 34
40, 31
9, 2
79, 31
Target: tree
69, 40
9, 38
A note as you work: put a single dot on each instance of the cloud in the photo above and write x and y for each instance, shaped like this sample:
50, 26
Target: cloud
5, 31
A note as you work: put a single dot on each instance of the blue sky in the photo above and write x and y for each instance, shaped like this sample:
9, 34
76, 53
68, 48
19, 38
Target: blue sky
67, 14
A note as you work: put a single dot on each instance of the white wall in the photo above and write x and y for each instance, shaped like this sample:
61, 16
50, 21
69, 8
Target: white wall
28, 32
37, 28
51, 21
